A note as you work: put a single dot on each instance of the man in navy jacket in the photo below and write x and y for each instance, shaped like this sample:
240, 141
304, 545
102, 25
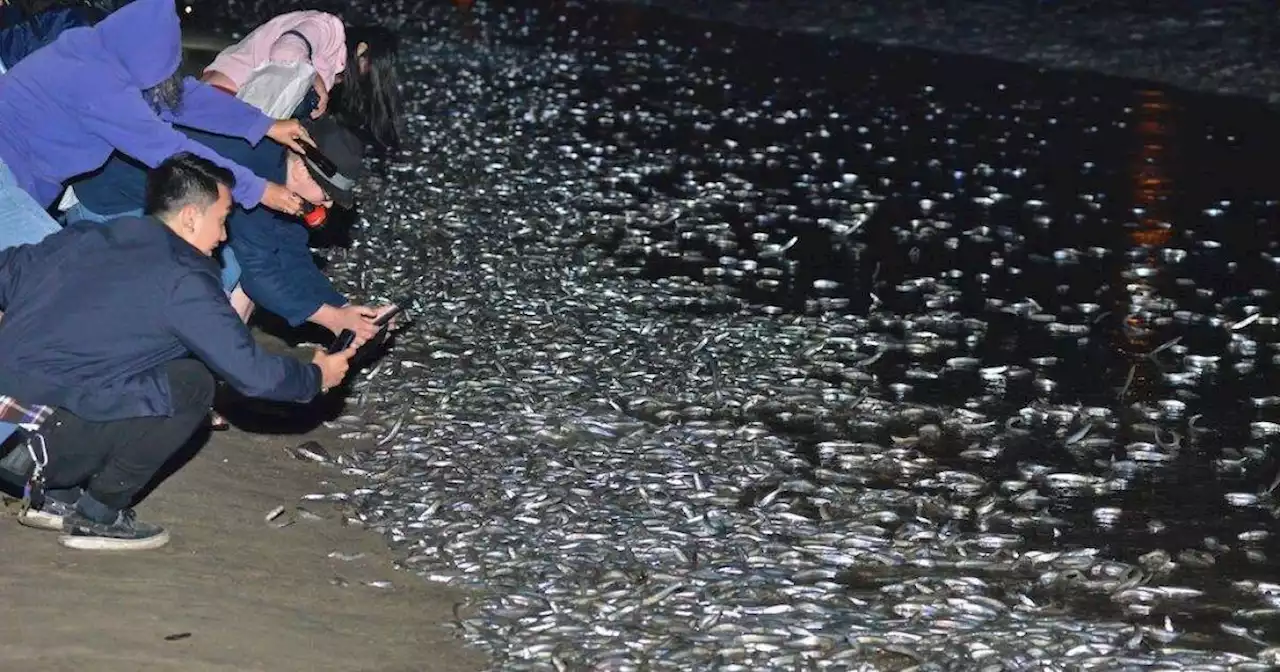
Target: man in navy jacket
269, 254
98, 323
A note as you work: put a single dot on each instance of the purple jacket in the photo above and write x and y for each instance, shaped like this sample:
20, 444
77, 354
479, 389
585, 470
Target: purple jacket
64, 108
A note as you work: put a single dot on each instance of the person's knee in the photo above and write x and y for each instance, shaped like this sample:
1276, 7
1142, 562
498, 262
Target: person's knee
191, 384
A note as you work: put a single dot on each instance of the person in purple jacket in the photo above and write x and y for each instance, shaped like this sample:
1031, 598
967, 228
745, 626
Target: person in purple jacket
116, 86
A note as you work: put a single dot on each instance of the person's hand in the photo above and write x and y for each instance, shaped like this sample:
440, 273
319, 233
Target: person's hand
359, 319
291, 134
322, 96
333, 368
282, 199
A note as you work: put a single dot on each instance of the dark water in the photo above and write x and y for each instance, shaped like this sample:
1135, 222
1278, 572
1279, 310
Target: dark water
1044, 189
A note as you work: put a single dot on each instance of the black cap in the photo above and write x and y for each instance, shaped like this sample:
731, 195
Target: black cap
337, 161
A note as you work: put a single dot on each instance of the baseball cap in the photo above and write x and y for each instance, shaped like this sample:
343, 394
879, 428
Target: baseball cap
337, 160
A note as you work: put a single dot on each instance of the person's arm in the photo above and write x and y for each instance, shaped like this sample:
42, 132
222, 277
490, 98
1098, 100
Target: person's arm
328, 38
205, 108
127, 122
283, 280
202, 318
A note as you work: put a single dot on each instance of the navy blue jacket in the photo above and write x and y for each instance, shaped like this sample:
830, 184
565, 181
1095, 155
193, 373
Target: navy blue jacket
92, 312
278, 271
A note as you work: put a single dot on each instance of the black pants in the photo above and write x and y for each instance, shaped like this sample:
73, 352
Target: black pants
115, 460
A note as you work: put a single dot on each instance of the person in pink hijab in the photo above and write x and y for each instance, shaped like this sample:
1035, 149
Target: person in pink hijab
307, 36
363, 59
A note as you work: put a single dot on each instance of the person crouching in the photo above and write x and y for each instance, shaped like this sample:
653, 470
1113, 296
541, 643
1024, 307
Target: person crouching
99, 323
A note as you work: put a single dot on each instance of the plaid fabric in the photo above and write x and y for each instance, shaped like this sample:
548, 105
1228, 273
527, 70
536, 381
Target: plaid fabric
28, 417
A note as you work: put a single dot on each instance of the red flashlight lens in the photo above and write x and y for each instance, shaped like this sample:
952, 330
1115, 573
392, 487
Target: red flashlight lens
316, 216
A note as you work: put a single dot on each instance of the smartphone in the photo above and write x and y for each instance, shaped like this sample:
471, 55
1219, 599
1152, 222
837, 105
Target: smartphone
397, 307
344, 340
322, 162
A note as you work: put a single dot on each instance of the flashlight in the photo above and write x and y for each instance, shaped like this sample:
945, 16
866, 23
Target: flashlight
314, 215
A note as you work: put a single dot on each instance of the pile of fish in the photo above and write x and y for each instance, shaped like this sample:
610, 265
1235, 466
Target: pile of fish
715, 367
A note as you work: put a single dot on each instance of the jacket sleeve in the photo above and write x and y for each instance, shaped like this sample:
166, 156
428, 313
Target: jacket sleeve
201, 317
284, 278
127, 122
19, 258
328, 38
12, 262
205, 108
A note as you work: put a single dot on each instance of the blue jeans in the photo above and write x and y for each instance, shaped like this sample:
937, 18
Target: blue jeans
230, 267
79, 213
22, 220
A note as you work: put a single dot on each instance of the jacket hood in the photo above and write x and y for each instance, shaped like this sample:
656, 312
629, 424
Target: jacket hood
146, 37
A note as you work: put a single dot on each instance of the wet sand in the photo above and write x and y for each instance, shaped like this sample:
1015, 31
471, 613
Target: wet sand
251, 596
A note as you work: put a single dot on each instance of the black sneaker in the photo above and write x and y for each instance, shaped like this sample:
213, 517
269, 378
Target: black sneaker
125, 534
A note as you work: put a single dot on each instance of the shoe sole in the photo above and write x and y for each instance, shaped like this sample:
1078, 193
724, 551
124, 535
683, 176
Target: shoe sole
112, 544
41, 521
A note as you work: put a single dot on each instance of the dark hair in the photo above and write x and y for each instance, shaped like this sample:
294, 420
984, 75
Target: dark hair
185, 179
370, 101
166, 95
